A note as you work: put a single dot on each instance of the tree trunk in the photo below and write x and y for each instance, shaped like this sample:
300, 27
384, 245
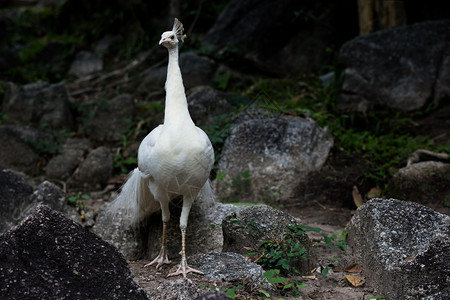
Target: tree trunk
380, 14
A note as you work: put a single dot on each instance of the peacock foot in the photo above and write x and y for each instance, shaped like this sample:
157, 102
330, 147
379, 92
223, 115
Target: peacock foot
183, 269
160, 260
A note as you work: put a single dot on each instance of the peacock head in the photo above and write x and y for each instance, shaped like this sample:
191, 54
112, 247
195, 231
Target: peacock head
170, 39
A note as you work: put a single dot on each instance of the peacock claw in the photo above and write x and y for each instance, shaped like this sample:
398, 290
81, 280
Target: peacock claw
161, 259
184, 269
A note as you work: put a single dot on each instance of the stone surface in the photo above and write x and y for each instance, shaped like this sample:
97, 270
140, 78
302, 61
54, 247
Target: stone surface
111, 119
212, 296
404, 248
48, 256
86, 63
95, 170
232, 267
246, 231
206, 104
17, 199
402, 68
425, 182
266, 156
21, 145
204, 233
14, 198
63, 165
39, 103
176, 289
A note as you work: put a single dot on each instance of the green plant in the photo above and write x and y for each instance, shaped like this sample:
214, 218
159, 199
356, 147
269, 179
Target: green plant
379, 296
229, 291
218, 130
285, 284
76, 200
336, 240
44, 146
3, 117
287, 252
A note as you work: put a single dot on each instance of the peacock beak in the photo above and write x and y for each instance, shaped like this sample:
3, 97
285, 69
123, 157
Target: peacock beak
162, 40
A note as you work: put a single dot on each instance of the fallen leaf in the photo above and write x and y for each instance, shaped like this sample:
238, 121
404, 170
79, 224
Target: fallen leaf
357, 198
374, 192
355, 280
353, 268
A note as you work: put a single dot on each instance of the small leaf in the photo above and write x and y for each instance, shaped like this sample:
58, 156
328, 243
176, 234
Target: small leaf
374, 192
353, 268
355, 280
357, 198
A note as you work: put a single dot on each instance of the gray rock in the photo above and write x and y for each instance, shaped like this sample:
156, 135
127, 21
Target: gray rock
423, 182
14, 198
16, 153
110, 119
205, 104
49, 194
177, 289
195, 69
204, 232
40, 104
63, 165
246, 231
404, 247
212, 296
232, 267
96, 169
267, 156
48, 256
400, 68
86, 63
18, 199
114, 229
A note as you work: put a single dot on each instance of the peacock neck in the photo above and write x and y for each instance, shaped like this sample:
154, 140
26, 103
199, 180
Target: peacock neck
176, 110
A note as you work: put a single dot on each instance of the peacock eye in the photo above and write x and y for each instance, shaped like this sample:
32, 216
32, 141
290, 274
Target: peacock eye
172, 37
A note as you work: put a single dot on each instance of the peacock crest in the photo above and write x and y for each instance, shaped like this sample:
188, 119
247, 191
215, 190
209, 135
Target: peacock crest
178, 29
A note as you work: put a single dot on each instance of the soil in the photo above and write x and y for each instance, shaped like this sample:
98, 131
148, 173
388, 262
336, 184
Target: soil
334, 286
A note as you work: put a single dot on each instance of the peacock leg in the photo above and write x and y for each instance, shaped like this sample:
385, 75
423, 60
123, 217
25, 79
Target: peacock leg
162, 256
183, 268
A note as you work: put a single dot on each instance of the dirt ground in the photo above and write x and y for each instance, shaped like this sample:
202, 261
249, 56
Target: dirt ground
333, 286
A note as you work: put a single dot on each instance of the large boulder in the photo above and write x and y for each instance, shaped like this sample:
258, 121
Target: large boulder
49, 256
207, 105
204, 232
38, 103
63, 165
14, 198
404, 248
17, 199
402, 68
266, 156
247, 230
285, 36
95, 170
426, 182
110, 120
232, 267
